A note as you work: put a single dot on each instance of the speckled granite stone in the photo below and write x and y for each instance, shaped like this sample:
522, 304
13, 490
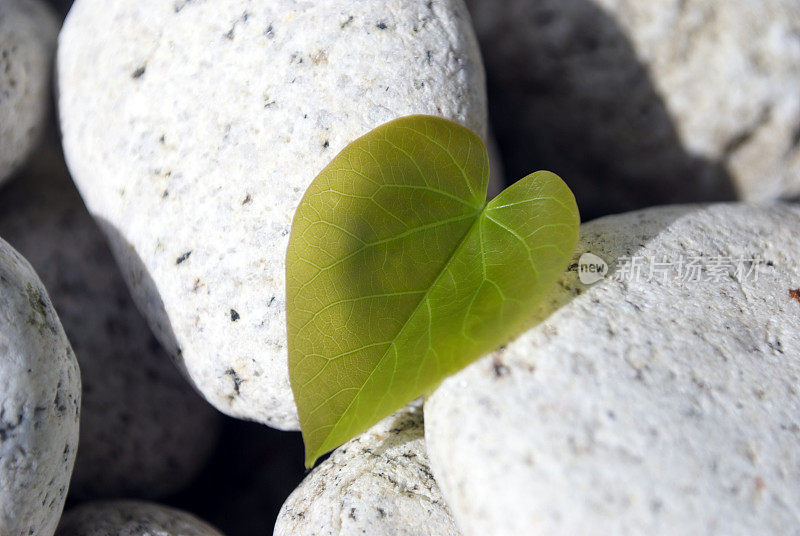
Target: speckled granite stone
655, 406
131, 518
28, 30
144, 431
193, 128
39, 403
378, 484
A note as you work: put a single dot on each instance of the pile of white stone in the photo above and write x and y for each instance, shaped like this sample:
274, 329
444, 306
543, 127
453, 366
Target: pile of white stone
653, 400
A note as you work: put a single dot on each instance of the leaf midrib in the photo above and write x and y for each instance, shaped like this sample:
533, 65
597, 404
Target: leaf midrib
478, 216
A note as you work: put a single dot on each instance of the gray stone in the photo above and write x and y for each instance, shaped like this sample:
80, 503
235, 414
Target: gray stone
192, 130
131, 518
649, 405
640, 103
144, 431
40, 391
28, 31
378, 484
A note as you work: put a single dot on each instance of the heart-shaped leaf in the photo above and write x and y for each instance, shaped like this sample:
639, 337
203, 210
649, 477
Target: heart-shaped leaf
399, 273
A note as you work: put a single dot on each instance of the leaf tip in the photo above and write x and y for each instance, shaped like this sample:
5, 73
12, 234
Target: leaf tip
311, 458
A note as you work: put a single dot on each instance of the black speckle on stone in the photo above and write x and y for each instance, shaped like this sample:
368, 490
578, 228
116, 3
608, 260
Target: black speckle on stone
770, 264
183, 257
234, 315
178, 6
269, 33
499, 369
237, 381
381, 512
347, 22
164, 194
271, 300
381, 25
58, 403
247, 199
429, 55
231, 33
138, 73
430, 5
6, 427
326, 144
163, 139
352, 514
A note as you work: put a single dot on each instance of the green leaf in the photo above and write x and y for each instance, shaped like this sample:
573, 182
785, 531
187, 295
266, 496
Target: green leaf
399, 273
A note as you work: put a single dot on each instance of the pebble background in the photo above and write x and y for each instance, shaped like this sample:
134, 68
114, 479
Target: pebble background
660, 132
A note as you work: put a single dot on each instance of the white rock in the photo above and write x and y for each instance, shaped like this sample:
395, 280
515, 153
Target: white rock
638, 103
131, 518
28, 30
649, 407
193, 128
39, 403
144, 431
378, 484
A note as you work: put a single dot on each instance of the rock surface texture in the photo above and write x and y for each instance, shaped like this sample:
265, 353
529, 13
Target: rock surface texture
657, 406
131, 518
144, 431
193, 129
28, 30
640, 103
378, 483
39, 403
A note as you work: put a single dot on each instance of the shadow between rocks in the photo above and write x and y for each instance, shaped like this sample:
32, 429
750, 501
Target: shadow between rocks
62, 7
143, 290
253, 471
568, 93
